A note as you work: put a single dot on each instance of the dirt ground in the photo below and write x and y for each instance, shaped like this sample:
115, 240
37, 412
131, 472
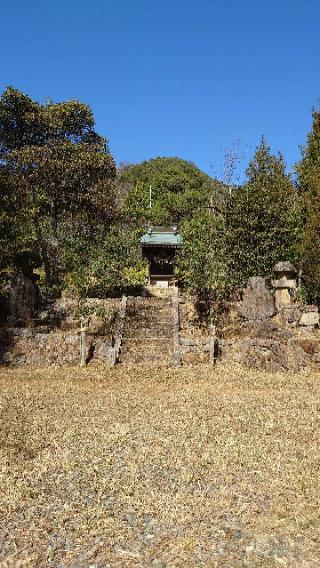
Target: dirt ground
194, 467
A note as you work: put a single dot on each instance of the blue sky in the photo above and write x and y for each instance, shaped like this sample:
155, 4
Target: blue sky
172, 77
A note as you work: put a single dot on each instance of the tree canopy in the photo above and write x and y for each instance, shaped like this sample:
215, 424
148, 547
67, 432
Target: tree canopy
62, 167
262, 218
202, 262
308, 171
178, 189
65, 207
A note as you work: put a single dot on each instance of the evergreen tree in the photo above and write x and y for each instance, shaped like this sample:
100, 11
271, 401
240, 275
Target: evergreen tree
201, 262
308, 171
262, 218
15, 223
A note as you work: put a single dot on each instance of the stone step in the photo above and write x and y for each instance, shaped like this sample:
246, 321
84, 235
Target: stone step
146, 349
142, 354
149, 301
146, 353
148, 333
148, 330
149, 362
141, 321
148, 308
148, 341
149, 315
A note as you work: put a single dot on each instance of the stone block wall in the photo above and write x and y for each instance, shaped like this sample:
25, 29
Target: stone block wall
270, 328
196, 336
52, 336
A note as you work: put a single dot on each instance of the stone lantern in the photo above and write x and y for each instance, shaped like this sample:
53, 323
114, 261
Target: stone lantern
284, 284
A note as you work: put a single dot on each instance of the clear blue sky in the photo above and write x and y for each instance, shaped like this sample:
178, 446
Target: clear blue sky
172, 77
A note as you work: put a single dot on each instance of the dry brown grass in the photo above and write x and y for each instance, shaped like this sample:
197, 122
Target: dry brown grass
163, 468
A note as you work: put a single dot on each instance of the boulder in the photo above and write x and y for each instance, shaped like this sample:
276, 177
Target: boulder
103, 350
310, 346
266, 329
289, 356
257, 300
310, 317
264, 353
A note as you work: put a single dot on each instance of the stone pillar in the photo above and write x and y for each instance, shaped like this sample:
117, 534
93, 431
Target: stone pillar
83, 345
212, 344
176, 327
285, 285
118, 342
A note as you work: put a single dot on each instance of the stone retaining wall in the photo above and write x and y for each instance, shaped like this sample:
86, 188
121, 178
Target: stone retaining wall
271, 329
53, 338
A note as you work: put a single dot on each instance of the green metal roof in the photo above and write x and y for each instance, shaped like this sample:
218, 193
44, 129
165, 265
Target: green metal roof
161, 237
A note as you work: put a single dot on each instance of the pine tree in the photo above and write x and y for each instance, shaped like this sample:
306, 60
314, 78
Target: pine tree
308, 171
262, 218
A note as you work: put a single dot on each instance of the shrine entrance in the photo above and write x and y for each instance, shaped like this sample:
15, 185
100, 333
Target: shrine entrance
159, 246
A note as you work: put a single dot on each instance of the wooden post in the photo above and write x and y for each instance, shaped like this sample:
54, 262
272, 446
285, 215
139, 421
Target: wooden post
83, 345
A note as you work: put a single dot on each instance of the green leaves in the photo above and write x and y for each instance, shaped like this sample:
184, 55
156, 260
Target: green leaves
115, 265
308, 171
64, 168
262, 218
202, 262
178, 188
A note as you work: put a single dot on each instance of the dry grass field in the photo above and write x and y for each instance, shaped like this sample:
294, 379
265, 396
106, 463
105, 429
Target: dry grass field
159, 468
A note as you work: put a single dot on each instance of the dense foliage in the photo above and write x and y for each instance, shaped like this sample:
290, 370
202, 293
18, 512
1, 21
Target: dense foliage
309, 185
66, 210
262, 218
60, 172
110, 265
177, 189
202, 263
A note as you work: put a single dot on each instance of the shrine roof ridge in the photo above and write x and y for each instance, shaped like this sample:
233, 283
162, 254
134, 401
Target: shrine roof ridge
162, 236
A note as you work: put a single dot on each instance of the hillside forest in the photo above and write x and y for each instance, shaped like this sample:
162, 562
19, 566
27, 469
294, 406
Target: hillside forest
74, 219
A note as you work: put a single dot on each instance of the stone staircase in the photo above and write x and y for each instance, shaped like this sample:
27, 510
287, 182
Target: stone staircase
148, 332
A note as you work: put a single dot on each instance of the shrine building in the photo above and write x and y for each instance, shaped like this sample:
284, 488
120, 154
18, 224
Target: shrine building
159, 246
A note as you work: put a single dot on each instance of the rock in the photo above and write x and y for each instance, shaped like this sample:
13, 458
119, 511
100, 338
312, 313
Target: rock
158, 563
283, 298
267, 329
25, 346
186, 341
271, 354
310, 317
290, 356
96, 324
64, 307
310, 346
257, 301
103, 350
131, 519
291, 314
